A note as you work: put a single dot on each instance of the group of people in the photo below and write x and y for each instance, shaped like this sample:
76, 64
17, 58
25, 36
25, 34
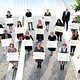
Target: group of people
53, 36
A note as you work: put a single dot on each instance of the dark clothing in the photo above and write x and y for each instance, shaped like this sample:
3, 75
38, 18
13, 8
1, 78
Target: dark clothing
8, 16
59, 34
1, 26
39, 61
28, 14
28, 48
39, 37
62, 51
66, 18
73, 47
47, 22
52, 39
6, 36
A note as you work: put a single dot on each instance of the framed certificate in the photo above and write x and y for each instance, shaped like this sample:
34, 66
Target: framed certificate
59, 28
63, 56
39, 31
6, 42
20, 30
47, 18
28, 42
38, 55
75, 26
1, 30
51, 44
12, 56
9, 20
74, 42
29, 19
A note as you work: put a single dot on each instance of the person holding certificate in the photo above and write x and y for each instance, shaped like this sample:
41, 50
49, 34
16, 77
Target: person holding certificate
75, 36
40, 37
28, 15
11, 49
39, 48
27, 36
47, 13
19, 25
9, 15
74, 21
63, 50
52, 37
59, 34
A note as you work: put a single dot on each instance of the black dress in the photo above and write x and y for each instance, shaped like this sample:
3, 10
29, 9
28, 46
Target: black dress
52, 39
29, 48
59, 34
40, 37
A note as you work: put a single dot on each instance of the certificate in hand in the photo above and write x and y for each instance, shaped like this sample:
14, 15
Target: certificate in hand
6, 42
63, 56
38, 55
51, 44
12, 56
59, 28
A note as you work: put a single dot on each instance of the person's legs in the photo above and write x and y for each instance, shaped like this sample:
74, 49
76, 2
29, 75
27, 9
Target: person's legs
32, 25
60, 37
66, 25
29, 25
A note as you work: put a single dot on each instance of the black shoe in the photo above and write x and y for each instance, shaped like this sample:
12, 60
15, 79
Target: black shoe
72, 54
29, 29
61, 67
32, 29
79, 71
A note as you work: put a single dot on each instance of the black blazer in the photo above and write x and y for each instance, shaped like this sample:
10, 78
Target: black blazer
28, 14
66, 17
52, 38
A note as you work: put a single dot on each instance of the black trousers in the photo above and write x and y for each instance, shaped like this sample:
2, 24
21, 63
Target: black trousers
72, 49
66, 24
30, 24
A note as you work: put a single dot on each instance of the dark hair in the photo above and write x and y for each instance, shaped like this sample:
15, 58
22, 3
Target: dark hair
61, 24
18, 24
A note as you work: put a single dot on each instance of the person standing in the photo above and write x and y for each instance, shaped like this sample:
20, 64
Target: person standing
66, 18
47, 13
28, 15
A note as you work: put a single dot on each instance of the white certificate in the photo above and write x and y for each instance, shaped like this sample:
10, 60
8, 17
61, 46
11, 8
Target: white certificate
63, 56
47, 18
28, 42
9, 21
39, 31
19, 30
1, 30
75, 26
51, 44
6, 42
29, 19
59, 28
38, 55
12, 56
74, 42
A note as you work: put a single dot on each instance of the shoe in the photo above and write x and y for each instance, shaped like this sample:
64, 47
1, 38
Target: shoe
79, 71
61, 67
32, 29
72, 54
29, 29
